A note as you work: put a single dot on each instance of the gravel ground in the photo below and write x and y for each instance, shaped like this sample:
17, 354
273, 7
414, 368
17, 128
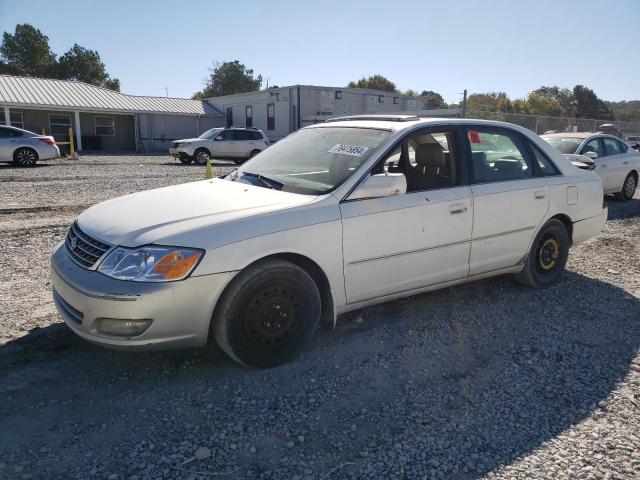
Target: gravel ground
486, 380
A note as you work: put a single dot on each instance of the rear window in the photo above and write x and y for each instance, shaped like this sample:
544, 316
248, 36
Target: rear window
565, 145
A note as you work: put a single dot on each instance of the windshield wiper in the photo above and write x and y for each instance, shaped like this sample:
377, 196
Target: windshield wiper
269, 182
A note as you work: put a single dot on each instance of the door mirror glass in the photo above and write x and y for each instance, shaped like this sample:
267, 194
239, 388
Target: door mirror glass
381, 185
592, 155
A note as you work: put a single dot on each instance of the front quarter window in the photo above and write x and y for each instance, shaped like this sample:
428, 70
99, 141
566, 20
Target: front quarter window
312, 161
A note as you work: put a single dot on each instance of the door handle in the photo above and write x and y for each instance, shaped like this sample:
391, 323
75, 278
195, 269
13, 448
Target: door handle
457, 209
539, 195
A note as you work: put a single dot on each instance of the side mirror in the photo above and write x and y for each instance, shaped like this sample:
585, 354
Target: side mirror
381, 185
591, 155
217, 139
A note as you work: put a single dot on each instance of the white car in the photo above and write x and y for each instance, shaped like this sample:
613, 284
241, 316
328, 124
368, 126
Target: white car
25, 148
235, 143
335, 217
616, 163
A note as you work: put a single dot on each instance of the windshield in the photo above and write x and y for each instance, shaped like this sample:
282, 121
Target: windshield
312, 161
564, 144
211, 133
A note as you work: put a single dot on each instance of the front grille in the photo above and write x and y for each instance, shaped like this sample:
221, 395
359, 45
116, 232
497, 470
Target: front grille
83, 249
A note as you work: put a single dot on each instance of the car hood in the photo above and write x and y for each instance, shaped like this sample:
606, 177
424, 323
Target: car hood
188, 140
148, 217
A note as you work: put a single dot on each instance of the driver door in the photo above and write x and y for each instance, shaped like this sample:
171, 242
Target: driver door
224, 144
412, 240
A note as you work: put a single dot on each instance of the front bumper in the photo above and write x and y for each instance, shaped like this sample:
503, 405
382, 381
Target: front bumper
180, 311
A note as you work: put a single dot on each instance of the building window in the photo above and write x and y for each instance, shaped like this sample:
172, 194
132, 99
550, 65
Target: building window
104, 126
248, 114
338, 95
396, 100
271, 116
59, 125
229, 117
380, 98
15, 119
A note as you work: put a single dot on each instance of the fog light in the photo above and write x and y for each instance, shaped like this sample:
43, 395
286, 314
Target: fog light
123, 328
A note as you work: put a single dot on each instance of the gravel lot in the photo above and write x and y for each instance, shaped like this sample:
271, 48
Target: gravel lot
486, 380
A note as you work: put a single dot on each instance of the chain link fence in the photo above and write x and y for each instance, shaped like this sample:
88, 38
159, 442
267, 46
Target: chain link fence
541, 124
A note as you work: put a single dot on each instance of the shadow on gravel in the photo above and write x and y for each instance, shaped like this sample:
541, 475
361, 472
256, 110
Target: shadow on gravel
450, 384
11, 166
619, 210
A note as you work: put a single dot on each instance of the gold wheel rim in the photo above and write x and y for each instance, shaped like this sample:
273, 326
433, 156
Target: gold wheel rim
549, 253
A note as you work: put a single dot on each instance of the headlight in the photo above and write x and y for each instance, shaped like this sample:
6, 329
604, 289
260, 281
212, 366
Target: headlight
150, 264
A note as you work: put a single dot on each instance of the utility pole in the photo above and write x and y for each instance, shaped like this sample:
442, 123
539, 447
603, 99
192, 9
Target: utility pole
464, 103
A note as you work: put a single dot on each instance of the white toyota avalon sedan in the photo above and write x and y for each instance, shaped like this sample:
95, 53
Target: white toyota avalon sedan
335, 217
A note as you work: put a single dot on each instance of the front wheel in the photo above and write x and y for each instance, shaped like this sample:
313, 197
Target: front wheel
628, 188
184, 158
25, 157
548, 256
267, 314
201, 156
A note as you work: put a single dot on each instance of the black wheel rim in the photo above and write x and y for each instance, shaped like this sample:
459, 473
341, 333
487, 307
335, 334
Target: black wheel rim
202, 157
547, 254
271, 317
26, 157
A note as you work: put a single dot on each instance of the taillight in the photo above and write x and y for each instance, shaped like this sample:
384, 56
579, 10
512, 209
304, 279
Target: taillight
266, 142
47, 140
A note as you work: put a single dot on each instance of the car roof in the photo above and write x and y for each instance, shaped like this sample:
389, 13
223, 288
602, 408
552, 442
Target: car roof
9, 127
397, 123
578, 135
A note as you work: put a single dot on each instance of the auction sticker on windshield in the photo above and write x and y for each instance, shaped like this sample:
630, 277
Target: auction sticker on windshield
353, 150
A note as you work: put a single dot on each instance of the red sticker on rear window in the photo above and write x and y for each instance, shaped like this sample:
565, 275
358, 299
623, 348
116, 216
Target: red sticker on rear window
474, 136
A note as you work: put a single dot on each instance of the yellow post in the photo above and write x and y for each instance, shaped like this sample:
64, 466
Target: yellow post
71, 154
208, 173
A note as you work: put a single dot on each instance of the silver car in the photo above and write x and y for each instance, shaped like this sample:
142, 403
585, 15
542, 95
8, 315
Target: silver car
617, 164
25, 148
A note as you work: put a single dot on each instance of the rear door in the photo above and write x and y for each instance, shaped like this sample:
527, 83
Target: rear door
8, 143
509, 202
614, 161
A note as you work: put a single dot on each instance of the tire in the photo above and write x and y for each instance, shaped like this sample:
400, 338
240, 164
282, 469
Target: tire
254, 153
267, 314
238, 161
628, 187
201, 156
25, 157
548, 256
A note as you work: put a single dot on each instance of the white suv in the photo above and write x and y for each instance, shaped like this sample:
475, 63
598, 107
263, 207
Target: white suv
235, 143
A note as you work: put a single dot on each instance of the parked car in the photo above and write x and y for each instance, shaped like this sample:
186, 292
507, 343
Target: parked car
335, 217
633, 141
616, 163
235, 143
25, 148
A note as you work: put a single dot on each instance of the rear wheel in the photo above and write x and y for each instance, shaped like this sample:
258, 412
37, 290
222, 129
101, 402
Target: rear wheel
254, 153
548, 256
25, 157
201, 156
628, 187
267, 314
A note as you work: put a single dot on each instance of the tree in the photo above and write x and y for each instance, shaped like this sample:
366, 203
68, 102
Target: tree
85, 65
625, 111
488, 102
410, 93
433, 99
559, 97
539, 104
229, 78
588, 105
374, 82
27, 52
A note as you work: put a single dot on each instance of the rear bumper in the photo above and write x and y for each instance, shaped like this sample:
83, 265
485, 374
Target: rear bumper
180, 311
589, 227
52, 151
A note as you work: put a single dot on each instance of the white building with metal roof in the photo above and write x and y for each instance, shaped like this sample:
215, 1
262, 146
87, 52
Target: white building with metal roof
102, 119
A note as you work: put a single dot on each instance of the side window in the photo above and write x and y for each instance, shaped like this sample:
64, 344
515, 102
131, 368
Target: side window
256, 136
546, 165
623, 147
241, 135
226, 135
498, 157
592, 146
611, 146
427, 159
5, 133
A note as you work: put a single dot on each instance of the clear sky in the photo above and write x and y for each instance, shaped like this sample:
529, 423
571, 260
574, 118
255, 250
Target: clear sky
445, 46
